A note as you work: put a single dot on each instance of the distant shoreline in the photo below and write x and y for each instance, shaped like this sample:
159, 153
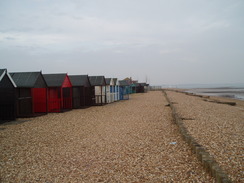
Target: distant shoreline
233, 93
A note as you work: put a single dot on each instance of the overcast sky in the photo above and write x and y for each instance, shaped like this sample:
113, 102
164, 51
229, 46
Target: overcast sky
163, 41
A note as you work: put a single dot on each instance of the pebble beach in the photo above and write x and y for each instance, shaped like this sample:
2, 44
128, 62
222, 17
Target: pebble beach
217, 127
134, 140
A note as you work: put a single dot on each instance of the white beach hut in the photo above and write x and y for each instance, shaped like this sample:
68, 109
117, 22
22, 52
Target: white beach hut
99, 84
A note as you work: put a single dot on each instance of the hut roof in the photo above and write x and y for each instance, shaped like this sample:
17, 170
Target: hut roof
80, 80
54, 80
123, 83
108, 81
2, 74
137, 84
144, 84
97, 80
26, 79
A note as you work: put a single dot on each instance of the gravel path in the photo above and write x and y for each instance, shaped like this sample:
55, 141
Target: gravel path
218, 127
127, 141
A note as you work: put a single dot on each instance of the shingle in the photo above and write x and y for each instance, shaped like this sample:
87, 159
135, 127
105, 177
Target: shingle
54, 80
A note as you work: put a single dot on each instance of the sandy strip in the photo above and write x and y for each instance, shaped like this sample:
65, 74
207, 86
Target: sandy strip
127, 141
218, 127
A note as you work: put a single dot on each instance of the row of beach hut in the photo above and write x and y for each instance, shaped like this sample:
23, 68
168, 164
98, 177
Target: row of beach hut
28, 94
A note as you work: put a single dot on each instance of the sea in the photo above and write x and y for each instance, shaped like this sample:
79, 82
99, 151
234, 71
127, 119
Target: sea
235, 91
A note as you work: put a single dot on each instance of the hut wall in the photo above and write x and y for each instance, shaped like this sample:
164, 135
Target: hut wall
124, 93
7, 100
89, 93
121, 93
146, 89
104, 97
115, 93
39, 94
67, 98
116, 98
93, 91
133, 89
108, 94
112, 93
98, 94
79, 97
66, 83
66, 94
76, 97
140, 89
83, 97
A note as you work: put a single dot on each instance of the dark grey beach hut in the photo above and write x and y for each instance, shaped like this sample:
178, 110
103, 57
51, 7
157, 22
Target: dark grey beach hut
82, 91
31, 93
141, 87
7, 97
99, 84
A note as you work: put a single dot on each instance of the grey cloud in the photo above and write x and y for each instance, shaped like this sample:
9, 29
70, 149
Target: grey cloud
169, 41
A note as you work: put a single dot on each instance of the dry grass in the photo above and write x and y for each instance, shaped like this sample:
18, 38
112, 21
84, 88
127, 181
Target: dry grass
127, 141
218, 127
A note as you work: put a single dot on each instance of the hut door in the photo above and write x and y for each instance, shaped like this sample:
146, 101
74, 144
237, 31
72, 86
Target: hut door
54, 102
40, 100
24, 102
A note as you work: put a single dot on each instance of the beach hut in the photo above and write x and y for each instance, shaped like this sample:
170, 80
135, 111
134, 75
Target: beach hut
109, 90
31, 93
129, 82
82, 91
59, 92
7, 97
139, 88
124, 90
99, 84
116, 89
146, 87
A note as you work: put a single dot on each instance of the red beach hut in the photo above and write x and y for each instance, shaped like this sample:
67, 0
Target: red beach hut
31, 93
59, 92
